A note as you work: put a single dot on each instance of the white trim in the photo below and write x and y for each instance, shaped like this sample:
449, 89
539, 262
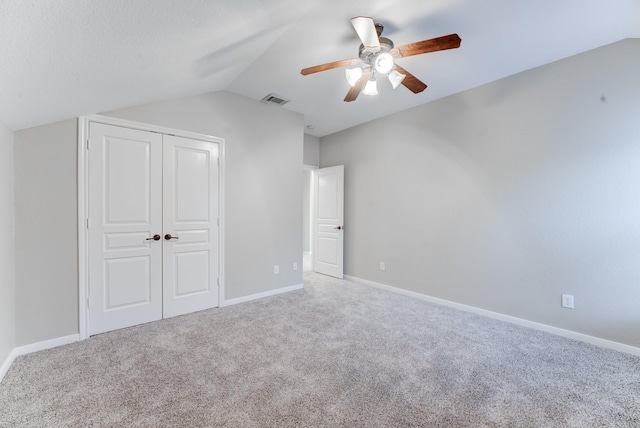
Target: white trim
83, 170
83, 279
7, 363
35, 347
262, 295
312, 213
108, 120
603, 343
46, 344
221, 216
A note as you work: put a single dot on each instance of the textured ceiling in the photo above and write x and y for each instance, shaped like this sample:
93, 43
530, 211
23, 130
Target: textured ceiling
64, 58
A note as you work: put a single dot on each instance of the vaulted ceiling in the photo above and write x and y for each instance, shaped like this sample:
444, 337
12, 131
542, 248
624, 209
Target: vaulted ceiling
64, 58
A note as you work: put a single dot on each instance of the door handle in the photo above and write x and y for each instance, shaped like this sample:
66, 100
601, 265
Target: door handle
168, 237
338, 228
156, 237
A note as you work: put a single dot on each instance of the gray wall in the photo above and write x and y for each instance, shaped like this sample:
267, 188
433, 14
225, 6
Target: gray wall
505, 196
7, 245
46, 232
311, 157
311, 154
263, 212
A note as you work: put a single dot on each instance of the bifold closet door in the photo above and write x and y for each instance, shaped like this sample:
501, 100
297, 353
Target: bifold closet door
125, 212
153, 226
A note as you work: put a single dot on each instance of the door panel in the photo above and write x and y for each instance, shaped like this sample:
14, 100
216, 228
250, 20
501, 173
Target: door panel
190, 262
192, 168
328, 195
192, 274
125, 208
119, 274
329, 230
127, 187
327, 253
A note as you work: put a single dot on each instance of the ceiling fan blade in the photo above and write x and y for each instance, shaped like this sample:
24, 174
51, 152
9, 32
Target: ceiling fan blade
451, 41
411, 82
327, 66
366, 30
358, 87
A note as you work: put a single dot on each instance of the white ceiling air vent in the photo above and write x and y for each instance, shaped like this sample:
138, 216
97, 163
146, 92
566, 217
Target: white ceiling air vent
275, 99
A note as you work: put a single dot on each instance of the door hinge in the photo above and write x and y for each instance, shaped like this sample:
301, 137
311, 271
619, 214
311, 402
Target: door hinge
87, 223
218, 221
88, 143
88, 302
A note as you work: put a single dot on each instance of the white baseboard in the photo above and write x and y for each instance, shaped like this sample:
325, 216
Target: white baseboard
34, 347
603, 343
261, 295
7, 363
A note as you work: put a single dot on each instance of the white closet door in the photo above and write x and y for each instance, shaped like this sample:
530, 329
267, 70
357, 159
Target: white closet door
190, 233
125, 211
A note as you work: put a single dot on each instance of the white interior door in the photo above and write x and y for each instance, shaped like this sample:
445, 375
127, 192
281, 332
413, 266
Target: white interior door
125, 211
153, 226
329, 221
190, 254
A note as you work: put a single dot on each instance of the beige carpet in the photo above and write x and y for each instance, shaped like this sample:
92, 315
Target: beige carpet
334, 354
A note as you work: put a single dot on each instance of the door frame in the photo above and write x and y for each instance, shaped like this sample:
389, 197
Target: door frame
312, 212
83, 204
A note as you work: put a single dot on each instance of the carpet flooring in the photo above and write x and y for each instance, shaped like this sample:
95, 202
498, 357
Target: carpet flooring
336, 353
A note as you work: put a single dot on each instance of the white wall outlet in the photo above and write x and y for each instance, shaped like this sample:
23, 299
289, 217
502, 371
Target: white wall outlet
383, 266
276, 269
295, 266
567, 301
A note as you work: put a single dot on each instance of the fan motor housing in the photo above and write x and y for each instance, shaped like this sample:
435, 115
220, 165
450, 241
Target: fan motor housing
367, 55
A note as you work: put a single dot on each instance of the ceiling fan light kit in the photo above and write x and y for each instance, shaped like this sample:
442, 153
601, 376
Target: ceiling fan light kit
371, 88
383, 62
377, 55
353, 75
396, 78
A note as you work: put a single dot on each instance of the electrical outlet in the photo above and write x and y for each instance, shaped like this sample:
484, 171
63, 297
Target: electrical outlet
567, 301
382, 266
276, 269
295, 266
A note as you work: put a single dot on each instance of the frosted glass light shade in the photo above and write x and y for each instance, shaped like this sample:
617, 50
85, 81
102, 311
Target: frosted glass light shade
371, 88
353, 75
396, 78
384, 63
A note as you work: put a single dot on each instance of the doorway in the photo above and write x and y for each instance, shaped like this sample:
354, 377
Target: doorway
323, 220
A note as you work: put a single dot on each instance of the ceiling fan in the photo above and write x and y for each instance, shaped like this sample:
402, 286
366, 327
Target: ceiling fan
377, 56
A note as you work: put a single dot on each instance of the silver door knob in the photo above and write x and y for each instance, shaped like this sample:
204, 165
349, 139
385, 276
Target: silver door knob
168, 237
